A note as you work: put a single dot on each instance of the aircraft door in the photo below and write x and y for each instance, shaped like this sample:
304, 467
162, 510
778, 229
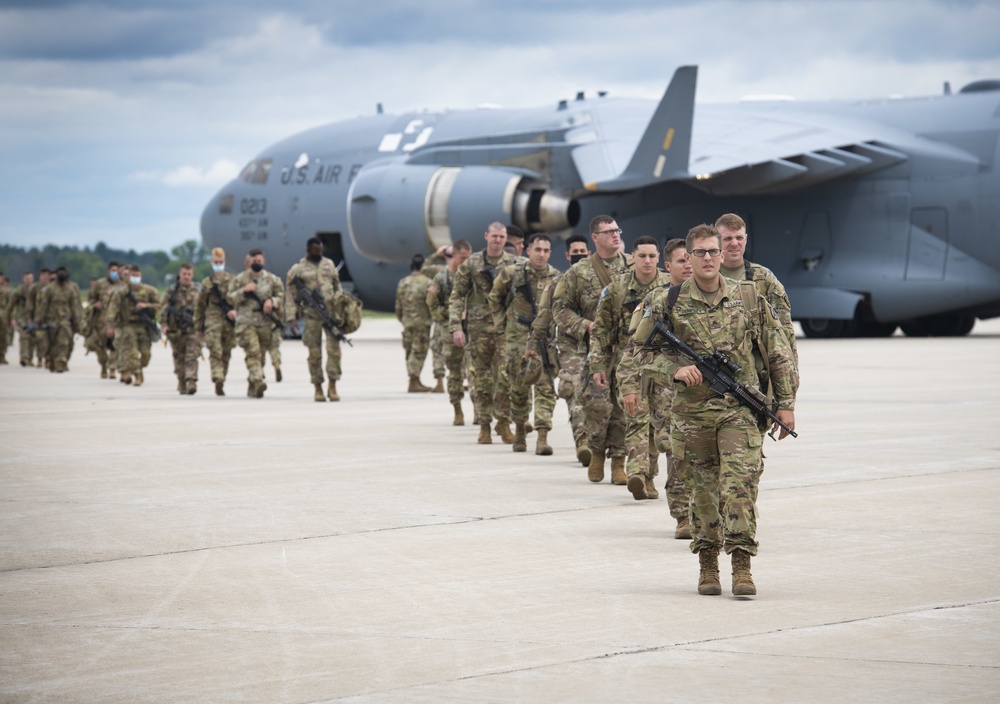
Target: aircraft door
927, 248
333, 247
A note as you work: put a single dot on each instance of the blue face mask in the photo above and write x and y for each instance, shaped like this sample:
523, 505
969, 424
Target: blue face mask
135, 279
113, 276
218, 267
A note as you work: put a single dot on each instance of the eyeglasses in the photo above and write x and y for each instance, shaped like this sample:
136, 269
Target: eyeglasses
700, 253
617, 231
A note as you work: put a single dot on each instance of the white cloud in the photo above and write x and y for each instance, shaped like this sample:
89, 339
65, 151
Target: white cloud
218, 174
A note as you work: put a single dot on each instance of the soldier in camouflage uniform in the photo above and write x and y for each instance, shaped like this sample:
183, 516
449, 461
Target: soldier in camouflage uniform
40, 334
316, 273
132, 337
18, 313
415, 315
215, 319
607, 345
61, 313
715, 441
256, 295
124, 277
6, 294
438, 294
469, 300
574, 306
177, 318
98, 298
514, 302
639, 393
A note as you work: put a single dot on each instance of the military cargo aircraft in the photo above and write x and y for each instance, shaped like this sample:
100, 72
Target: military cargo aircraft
873, 213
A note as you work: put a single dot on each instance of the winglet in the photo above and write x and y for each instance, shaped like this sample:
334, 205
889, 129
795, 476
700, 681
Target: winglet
665, 148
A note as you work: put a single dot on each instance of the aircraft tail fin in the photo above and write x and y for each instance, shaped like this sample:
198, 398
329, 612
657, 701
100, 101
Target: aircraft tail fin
664, 151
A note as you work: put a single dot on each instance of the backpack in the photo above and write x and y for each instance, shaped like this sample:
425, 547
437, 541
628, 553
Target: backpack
347, 311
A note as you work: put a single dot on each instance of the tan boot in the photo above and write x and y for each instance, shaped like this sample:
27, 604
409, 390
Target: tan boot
191, 388
439, 387
331, 390
126, 378
637, 485
137, 381
111, 372
218, 389
651, 492
503, 430
260, 388
708, 578
459, 416
318, 394
582, 452
683, 530
485, 437
277, 373
742, 580
595, 470
542, 444
416, 387
618, 475
520, 444
104, 371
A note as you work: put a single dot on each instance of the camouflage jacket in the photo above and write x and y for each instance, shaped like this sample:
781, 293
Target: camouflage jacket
6, 300
574, 303
772, 290
17, 308
34, 298
726, 325
512, 311
322, 277
100, 292
411, 300
60, 303
208, 313
438, 294
122, 311
615, 307
248, 308
470, 292
179, 298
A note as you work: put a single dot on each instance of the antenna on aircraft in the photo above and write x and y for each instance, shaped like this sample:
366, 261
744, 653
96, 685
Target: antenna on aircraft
579, 95
947, 87
378, 108
563, 105
601, 93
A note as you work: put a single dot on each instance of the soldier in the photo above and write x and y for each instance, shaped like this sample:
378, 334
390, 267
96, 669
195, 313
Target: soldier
39, 334
716, 441
98, 298
437, 301
61, 313
18, 313
318, 274
256, 297
415, 315
607, 345
177, 316
275, 349
515, 237
469, 303
6, 294
124, 277
130, 327
215, 319
574, 306
514, 302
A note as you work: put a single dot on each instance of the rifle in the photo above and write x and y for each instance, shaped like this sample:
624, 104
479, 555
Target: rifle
543, 348
186, 315
489, 273
146, 316
278, 325
314, 300
720, 373
223, 303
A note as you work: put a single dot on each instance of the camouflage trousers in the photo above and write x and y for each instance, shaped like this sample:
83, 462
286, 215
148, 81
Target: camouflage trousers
718, 457
521, 395
220, 340
25, 344
439, 336
41, 344
97, 342
60, 339
570, 371
312, 338
255, 341
659, 397
274, 349
640, 441
133, 345
4, 336
603, 418
492, 392
454, 361
186, 349
416, 341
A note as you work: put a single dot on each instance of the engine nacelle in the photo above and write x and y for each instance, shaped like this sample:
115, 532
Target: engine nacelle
396, 210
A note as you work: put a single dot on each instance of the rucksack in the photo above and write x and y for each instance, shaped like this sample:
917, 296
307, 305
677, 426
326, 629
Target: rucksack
347, 311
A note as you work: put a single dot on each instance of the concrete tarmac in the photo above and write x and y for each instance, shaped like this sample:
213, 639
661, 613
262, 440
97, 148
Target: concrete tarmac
162, 548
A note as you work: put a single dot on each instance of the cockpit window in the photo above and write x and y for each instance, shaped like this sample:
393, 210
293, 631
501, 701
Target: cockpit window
262, 171
226, 204
248, 171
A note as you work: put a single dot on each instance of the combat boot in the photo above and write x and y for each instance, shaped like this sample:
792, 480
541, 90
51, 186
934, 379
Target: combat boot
260, 388
651, 492
192, 388
520, 444
708, 578
318, 394
137, 381
126, 379
503, 430
683, 530
416, 387
636, 485
618, 475
104, 371
742, 580
180, 386
582, 452
111, 372
218, 389
459, 416
331, 390
485, 438
277, 373
542, 446
439, 387
595, 470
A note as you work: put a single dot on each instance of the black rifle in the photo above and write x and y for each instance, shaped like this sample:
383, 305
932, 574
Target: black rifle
720, 373
278, 325
185, 315
313, 299
145, 315
543, 348
223, 304
489, 273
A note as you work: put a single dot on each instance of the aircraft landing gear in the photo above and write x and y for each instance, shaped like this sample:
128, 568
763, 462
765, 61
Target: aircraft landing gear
945, 325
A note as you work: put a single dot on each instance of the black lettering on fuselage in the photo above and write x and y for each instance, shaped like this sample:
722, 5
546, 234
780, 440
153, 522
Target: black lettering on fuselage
355, 168
333, 173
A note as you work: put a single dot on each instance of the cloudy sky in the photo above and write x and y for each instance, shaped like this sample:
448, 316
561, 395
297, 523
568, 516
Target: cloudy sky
119, 119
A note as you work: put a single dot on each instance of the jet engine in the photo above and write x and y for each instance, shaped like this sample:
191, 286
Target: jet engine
396, 210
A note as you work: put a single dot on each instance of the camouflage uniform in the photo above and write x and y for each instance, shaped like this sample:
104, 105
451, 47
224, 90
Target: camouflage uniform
132, 337
613, 317
454, 356
40, 336
6, 295
60, 311
275, 349
178, 307
412, 311
219, 332
715, 441
469, 294
574, 306
322, 277
567, 365
18, 310
254, 329
514, 313
94, 332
